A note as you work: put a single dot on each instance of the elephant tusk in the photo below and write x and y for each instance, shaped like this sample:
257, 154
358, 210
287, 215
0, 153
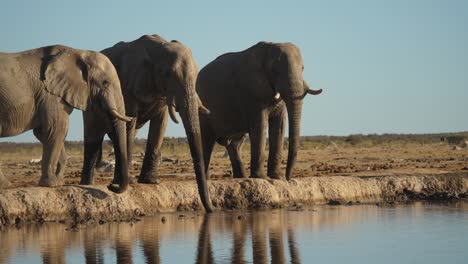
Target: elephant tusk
277, 96
121, 117
202, 108
314, 92
172, 113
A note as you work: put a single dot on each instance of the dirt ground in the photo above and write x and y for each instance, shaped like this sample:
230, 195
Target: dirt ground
335, 159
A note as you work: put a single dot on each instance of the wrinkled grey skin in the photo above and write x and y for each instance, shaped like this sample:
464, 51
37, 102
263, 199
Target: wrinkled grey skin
39, 89
247, 90
157, 77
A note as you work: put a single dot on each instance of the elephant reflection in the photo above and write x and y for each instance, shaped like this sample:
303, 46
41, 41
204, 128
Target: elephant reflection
204, 250
260, 226
269, 239
148, 234
93, 250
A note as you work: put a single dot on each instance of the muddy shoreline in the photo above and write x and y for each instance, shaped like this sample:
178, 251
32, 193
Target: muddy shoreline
95, 203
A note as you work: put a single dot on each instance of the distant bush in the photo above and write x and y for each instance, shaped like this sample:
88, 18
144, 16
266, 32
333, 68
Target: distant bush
179, 145
354, 139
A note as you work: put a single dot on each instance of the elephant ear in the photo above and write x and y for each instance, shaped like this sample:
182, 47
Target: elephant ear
66, 77
271, 56
137, 79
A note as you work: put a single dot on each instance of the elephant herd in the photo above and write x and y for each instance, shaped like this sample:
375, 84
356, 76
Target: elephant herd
125, 86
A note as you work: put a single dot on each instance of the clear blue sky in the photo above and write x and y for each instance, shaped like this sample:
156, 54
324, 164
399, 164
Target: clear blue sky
385, 66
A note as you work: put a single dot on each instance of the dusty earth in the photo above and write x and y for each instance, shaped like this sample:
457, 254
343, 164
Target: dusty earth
332, 160
325, 174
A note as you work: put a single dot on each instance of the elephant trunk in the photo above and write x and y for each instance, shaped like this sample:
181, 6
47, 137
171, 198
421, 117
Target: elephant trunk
121, 150
114, 104
188, 110
294, 108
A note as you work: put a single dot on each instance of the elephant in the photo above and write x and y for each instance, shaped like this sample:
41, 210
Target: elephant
157, 77
246, 90
39, 88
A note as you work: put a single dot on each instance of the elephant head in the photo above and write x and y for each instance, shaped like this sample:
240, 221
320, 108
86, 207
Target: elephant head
176, 73
283, 66
156, 68
88, 81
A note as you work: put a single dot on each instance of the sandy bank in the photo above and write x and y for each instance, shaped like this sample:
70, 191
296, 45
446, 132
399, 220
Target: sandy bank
77, 203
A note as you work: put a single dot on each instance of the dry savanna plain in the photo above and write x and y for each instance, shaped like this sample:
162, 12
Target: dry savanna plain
355, 155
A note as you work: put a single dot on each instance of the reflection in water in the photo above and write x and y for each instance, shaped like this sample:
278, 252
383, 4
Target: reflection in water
150, 241
239, 231
93, 248
293, 250
258, 224
259, 247
258, 237
54, 251
204, 251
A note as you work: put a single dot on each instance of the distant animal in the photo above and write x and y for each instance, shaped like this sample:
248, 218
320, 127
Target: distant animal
248, 90
39, 89
158, 79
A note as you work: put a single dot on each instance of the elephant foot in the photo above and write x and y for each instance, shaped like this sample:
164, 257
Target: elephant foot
239, 176
258, 175
50, 182
131, 180
87, 181
115, 188
149, 179
276, 175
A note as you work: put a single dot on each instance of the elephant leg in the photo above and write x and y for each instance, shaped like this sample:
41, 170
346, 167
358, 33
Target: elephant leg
92, 146
52, 148
257, 145
276, 127
62, 163
99, 158
233, 149
208, 142
157, 129
4, 182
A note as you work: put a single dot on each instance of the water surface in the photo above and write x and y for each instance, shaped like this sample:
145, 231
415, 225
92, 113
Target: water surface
416, 233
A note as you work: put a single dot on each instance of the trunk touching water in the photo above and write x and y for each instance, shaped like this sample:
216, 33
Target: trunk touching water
294, 118
189, 113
